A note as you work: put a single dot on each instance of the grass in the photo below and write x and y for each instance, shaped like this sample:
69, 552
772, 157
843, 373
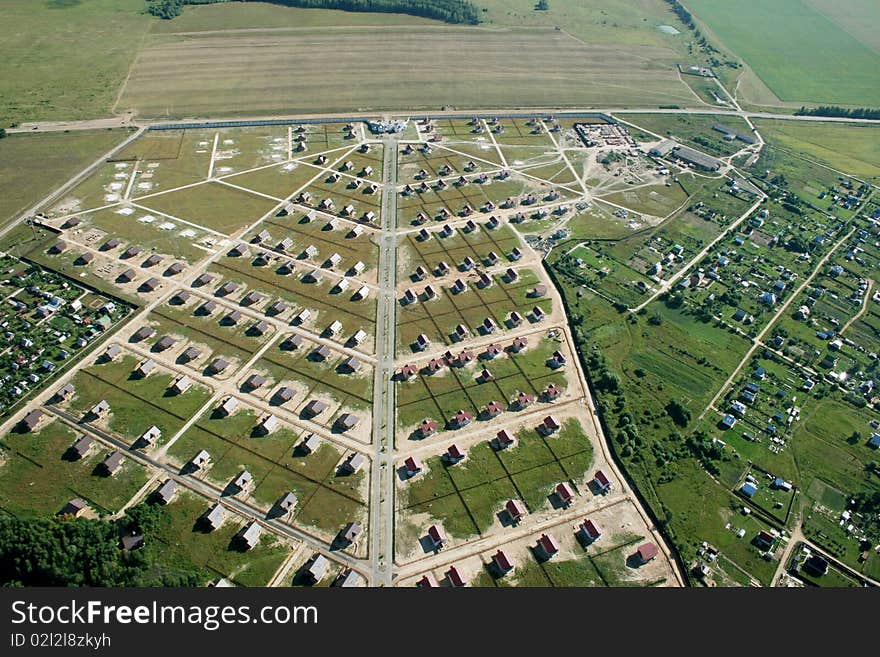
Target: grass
758, 32
36, 481
466, 497
31, 166
67, 61
852, 148
211, 205
184, 546
234, 72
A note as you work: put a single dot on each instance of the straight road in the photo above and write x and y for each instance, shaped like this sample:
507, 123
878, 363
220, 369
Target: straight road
382, 479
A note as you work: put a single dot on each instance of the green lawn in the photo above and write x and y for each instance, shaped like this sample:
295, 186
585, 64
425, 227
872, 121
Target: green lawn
31, 166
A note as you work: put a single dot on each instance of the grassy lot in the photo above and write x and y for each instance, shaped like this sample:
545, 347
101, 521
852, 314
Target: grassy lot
35, 479
758, 32
466, 497
327, 500
129, 396
185, 545
211, 205
852, 148
31, 166
440, 396
67, 59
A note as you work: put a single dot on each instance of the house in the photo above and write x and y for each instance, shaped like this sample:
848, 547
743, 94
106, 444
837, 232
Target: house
151, 435
485, 376
81, 447
249, 536
454, 577
590, 530
200, 460
764, 540
255, 381
227, 288
243, 480
548, 545
239, 250
334, 328
317, 569
286, 503
315, 407
538, 314
550, 425
466, 356
502, 562
492, 351
524, 400
268, 424
100, 409
143, 333
127, 276
427, 428
552, 392
427, 581
816, 565
164, 343
74, 507
321, 352
515, 510
412, 466
646, 552
214, 517
191, 353
350, 532
347, 578
166, 492
749, 489
494, 409
232, 317
454, 454
32, 420
112, 352
728, 421
111, 244
354, 463
437, 536
202, 280
462, 419
217, 366
423, 342
260, 327
85, 258
564, 493
181, 385
174, 269
601, 481
59, 247
112, 464
504, 439
207, 308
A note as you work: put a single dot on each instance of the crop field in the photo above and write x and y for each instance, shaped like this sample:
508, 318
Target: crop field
834, 66
440, 396
209, 73
36, 479
466, 497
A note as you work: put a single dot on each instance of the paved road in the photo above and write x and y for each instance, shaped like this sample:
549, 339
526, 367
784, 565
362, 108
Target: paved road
128, 120
382, 480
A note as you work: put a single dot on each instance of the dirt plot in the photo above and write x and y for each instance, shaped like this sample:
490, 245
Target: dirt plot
392, 67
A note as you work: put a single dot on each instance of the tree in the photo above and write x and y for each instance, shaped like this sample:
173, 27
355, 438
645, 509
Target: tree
679, 413
2, 133
543, 5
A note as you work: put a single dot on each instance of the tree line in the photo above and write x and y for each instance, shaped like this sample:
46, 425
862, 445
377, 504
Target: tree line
451, 11
842, 112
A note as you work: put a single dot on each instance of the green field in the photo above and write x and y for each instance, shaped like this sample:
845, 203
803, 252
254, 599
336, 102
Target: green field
66, 60
852, 148
31, 166
802, 55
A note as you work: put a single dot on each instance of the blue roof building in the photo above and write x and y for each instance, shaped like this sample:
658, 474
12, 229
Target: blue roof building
749, 489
